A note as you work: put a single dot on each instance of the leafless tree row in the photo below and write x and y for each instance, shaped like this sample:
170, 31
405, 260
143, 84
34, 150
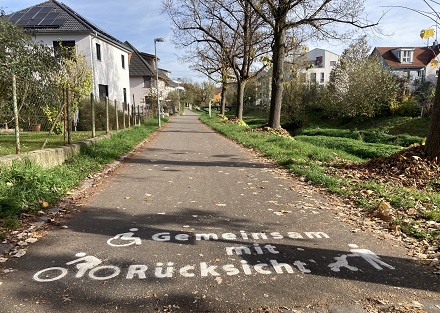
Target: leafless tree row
234, 40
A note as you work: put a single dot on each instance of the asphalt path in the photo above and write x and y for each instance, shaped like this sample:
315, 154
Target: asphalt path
192, 222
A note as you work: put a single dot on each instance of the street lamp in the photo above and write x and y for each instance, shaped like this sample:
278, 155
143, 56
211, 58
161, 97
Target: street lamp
157, 78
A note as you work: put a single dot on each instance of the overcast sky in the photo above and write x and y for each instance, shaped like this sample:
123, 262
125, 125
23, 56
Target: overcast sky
140, 21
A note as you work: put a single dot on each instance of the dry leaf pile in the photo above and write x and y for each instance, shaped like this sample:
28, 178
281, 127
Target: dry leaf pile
408, 168
276, 131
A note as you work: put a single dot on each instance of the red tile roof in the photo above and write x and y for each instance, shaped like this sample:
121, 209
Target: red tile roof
421, 58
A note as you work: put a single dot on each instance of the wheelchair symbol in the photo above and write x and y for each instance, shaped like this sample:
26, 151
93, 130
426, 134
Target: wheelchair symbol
125, 239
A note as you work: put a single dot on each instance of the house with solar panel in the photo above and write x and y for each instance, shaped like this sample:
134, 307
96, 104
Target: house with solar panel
53, 22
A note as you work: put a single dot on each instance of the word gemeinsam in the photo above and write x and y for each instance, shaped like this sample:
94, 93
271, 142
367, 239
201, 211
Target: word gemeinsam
242, 235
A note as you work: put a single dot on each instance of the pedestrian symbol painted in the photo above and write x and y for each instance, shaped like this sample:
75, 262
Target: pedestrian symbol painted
368, 255
341, 261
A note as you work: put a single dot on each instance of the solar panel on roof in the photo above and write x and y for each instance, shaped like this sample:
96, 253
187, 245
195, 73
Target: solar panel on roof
38, 18
34, 10
14, 18
58, 22
34, 22
40, 15
53, 15
47, 22
45, 9
23, 21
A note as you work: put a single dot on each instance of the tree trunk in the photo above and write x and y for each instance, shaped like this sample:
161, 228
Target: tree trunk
432, 147
277, 75
240, 97
223, 99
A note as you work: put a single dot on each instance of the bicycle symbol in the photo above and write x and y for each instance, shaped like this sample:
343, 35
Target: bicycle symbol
125, 239
84, 263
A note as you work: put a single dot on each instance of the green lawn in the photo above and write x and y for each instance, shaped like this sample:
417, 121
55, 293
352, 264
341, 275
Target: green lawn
30, 141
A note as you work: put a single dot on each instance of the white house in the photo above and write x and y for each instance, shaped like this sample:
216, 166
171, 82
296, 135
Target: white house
143, 79
409, 62
52, 22
322, 63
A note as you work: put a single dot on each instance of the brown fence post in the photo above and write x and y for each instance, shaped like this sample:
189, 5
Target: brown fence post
14, 102
69, 118
129, 115
64, 118
92, 107
116, 115
107, 117
123, 114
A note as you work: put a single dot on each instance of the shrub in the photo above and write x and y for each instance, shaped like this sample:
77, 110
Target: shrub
408, 107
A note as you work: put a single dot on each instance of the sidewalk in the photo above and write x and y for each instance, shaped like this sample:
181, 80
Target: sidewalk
192, 222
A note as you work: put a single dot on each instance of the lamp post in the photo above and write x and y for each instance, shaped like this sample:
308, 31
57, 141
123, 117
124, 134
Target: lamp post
157, 78
178, 95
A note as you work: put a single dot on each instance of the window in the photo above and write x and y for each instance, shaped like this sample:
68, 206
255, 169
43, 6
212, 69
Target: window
332, 63
98, 52
319, 61
147, 82
103, 92
322, 78
68, 51
313, 77
147, 102
406, 56
124, 91
123, 61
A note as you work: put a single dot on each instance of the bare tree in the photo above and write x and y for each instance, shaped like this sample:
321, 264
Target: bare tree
318, 18
231, 31
214, 64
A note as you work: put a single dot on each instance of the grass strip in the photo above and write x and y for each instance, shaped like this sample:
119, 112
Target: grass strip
312, 157
26, 187
30, 141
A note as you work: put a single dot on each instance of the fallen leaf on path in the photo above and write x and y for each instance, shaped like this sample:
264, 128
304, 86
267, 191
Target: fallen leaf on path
19, 253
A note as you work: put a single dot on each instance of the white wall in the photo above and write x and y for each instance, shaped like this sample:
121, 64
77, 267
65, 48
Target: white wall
137, 90
431, 73
108, 71
140, 92
326, 68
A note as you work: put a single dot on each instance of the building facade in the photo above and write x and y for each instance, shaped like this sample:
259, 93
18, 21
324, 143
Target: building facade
53, 22
410, 63
143, 82
321, 63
